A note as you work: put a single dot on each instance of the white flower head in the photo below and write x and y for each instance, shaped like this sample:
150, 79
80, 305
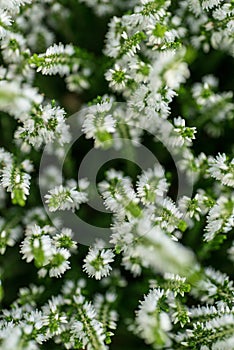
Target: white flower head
65, 198
97, 262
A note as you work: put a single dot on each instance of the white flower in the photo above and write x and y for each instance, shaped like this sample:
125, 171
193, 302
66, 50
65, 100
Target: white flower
64, 239
65, 198
59, 262
144, 244
53, 318
119, 195
17, 99
181, 134
222, 169
209, 287
78, 81
164, 255
90, 129
59, 49
13, 53
168, 215
56, 60
209, 4
90, 332
152, 184
225, 344
5, 157
117, 77
131, 44
169, 68
17, 182
46, 125
27, 165
96, 263
99, 123
151, 322
220, 218
32, 216
132, 262
195, 207
12, 339
8, 235
5, 21
138, 98
37, 245
195, 6
159, 32
13, 4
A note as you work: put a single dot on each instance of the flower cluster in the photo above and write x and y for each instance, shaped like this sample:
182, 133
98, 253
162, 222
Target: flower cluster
45, 125
15, 178
66, 61
83, 327
67, 197
99, 123
148, 74
222, 169
202, 327
49, 251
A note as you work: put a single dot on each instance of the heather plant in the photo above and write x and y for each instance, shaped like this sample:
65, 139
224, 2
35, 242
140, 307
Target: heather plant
139, 251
